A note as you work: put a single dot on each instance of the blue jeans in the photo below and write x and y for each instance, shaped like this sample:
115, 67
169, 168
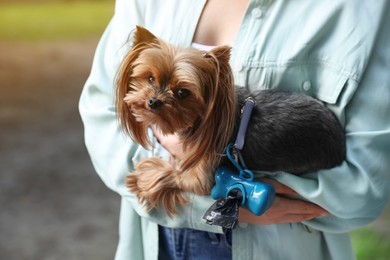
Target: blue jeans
191, 244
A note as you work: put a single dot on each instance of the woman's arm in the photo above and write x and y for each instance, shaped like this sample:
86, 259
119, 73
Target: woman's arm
112, 153
356, 193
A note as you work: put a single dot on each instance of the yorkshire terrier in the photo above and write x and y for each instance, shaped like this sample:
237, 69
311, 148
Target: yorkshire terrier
191, 93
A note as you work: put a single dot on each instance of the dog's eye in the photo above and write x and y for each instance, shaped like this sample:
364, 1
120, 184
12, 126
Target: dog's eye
151, 79
182, 93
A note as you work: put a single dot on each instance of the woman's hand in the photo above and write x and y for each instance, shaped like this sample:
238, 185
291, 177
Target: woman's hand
283, 210
170, 142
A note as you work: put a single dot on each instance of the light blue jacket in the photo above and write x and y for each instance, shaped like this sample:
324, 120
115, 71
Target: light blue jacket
337, 51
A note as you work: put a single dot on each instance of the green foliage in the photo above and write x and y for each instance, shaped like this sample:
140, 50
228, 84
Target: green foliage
52, 21
369, 245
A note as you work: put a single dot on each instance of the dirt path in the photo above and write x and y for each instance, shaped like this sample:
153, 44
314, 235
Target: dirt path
53, 205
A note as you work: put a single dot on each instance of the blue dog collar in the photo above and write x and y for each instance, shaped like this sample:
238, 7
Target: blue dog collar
246, 113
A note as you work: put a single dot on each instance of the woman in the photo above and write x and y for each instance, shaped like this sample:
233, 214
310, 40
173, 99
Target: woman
335, 51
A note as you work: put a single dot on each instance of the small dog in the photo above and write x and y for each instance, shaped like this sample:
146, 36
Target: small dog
191, 93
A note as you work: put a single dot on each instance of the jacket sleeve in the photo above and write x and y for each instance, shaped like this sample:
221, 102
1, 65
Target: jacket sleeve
112, 153
356, 193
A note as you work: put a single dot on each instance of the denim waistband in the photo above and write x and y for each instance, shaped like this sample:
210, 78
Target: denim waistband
191, 244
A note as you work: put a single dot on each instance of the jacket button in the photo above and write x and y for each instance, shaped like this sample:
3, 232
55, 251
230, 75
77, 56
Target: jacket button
239, 67
257, 13
306, 86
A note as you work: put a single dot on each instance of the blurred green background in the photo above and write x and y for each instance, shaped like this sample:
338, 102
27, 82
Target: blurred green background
38, 20
38, 23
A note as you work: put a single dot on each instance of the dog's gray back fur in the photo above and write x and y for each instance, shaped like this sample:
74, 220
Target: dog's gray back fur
291, 132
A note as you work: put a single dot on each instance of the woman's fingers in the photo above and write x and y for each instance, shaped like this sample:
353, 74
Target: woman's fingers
292, 206
170, 142
283, 210
279, 188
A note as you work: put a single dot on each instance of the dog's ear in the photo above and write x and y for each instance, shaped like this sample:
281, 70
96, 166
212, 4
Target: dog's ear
136, 130
217, 123
129, 124
143, 39
221, 53
142, 35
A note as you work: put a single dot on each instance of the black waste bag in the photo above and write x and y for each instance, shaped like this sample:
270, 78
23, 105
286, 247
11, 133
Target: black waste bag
224, 212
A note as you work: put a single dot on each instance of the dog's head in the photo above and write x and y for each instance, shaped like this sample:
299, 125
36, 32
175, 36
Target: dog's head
180, 90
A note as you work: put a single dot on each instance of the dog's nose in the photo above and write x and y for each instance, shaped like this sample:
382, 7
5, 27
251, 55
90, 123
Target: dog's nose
154, 103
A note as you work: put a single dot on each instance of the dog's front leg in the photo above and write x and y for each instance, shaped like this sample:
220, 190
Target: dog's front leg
198, 180
156, 183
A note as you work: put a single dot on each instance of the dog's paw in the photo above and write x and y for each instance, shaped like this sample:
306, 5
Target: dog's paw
156, 184
131, 183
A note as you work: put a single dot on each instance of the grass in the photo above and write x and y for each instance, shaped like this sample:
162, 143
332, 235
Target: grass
54, 21
369, 245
